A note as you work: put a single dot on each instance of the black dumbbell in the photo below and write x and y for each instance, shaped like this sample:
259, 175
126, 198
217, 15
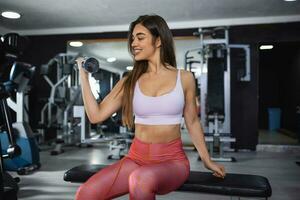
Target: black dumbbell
91, 65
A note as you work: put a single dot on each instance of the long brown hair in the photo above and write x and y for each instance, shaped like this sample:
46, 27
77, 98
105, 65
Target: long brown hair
158, 29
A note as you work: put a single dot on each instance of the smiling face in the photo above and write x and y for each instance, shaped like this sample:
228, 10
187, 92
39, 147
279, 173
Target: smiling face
143, 46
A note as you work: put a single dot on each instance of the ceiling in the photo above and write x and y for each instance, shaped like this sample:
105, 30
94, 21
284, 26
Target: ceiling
47, 17
78, 16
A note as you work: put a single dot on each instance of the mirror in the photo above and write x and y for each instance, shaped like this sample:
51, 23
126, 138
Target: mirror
117, 48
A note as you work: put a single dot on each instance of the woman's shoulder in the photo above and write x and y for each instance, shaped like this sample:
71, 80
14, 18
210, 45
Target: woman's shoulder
187, 78
186, 75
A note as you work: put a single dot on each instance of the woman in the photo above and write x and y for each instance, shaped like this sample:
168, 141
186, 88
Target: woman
157, 94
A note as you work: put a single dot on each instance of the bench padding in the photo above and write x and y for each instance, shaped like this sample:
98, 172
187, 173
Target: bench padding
242, 185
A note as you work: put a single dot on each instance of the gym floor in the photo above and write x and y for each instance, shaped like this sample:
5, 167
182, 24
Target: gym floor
47, 183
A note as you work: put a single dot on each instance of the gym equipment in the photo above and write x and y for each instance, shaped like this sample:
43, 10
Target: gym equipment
240, 185
215, 106
64, 112
211, 63
91, 65
12, 80
57, 113
118, 143
28, 161
19, 75
8, 185
119, 146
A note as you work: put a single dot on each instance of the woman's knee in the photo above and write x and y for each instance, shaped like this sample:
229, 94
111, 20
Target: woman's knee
142, 181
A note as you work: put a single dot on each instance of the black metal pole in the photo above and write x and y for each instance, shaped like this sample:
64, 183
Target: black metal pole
7, 116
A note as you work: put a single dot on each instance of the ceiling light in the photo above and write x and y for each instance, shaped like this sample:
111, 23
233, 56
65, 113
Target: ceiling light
10, 15
129, 68
111, 59
76, 44
264, 47
290, 0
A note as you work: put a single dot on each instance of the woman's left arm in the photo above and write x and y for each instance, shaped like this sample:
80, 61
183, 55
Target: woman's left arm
194, 126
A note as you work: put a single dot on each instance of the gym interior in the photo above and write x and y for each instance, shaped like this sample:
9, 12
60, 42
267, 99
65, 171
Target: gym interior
245, 57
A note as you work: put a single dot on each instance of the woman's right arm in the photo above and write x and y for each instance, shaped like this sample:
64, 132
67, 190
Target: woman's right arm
99, 112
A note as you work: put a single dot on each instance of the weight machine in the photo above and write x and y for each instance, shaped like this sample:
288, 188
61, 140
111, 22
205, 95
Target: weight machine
211, 63
65, 92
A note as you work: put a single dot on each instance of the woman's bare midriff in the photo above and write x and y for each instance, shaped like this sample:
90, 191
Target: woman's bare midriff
157, 133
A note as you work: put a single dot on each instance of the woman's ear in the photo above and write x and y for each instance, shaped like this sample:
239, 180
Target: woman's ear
158, 42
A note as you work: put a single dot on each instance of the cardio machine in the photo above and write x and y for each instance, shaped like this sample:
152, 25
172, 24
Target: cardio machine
15, 77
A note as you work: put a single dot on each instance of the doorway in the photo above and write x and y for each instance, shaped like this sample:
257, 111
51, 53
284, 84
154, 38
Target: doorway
279, 94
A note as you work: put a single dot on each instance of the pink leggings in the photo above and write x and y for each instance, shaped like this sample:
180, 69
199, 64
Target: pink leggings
148, 169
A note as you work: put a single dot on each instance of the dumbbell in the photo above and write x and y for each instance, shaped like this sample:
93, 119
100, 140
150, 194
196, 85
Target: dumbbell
91, 65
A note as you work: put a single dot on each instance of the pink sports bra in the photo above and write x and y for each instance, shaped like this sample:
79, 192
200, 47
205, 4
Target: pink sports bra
160, 110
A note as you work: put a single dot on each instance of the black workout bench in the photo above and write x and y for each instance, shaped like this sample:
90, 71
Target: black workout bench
240, 185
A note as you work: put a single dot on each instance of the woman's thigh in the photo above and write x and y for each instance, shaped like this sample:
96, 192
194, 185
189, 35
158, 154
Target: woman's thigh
110, 182
162, 178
